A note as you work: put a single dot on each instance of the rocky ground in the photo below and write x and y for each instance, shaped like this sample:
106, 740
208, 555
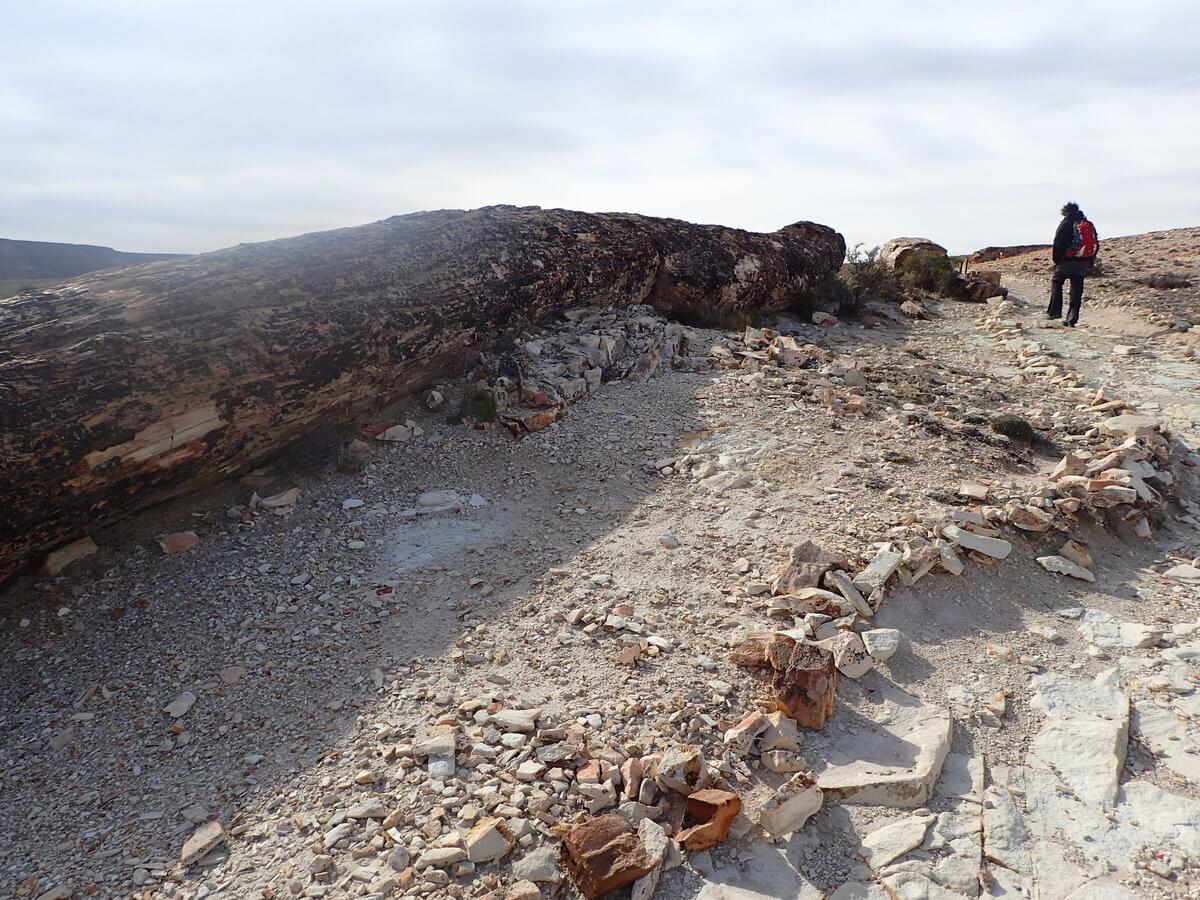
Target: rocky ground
425, 677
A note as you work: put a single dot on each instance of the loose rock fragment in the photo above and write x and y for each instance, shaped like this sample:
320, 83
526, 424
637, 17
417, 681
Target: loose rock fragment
540, 865
523, 721
57, 560
881, 643
712, 811
888, 843
683, 770
523, 890
740, 738
489, 840
657, 845
605, 854
1076, 553
791, 806
203, 839
993, 547
950, 560
1060, 565
880, 569
179, 542
780, 734
784, 761
850, 655
845, 586
805, 569
804, 682
179, 707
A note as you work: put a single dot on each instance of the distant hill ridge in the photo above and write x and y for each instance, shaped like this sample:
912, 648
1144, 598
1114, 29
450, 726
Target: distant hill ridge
43, 259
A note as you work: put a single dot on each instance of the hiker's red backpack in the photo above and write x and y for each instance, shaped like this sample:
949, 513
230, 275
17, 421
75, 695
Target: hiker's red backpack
1086, 242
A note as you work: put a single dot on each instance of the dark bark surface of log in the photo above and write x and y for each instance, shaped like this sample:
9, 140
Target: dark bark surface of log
121, 389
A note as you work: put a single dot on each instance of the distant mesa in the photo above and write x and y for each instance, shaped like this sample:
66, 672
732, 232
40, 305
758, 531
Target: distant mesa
31, 262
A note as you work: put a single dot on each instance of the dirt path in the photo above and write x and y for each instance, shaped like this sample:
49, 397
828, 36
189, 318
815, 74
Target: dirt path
312, 654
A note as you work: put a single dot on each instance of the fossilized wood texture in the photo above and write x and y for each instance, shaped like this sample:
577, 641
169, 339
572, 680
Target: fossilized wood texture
124, 388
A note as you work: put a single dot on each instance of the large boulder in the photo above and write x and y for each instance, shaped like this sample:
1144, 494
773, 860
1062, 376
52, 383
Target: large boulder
897, 250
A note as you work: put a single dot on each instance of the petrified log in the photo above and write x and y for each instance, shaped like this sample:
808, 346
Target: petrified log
118, 390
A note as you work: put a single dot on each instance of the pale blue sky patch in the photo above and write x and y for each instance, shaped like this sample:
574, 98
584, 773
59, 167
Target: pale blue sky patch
193, 125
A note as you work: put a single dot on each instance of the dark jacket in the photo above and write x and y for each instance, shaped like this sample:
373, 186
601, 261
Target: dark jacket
1064, 237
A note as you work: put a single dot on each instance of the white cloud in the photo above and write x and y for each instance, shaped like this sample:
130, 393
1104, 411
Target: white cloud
193, 125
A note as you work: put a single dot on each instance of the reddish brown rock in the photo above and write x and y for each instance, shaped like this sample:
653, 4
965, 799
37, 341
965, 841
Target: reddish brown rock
804, 682
806, 568
803, 678
712, 811
752, 653
604, 854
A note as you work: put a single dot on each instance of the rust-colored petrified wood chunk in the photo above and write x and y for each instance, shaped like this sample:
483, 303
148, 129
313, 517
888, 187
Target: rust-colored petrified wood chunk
804, 684
712, 811
605, 854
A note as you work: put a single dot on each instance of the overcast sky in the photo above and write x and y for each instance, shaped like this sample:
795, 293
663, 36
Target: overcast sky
179, 125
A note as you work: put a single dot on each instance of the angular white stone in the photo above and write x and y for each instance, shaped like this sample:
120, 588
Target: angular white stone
850, 655
993, 547
179, 707
880, 569
881, 643
950, 559
1060, 565
523, 721
791, 806
1184, 573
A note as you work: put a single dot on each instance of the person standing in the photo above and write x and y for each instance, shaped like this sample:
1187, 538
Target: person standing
1075, 246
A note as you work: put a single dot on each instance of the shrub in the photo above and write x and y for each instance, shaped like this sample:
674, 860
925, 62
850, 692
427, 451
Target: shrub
1164, 280
349, 460
866, 277
928, 270
1015, 428
479, 404
831, 293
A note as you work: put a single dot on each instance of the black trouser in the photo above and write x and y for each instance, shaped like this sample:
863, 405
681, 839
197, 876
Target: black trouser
1071, 270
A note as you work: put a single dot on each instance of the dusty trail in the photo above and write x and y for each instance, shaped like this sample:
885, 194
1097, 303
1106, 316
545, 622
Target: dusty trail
322, 644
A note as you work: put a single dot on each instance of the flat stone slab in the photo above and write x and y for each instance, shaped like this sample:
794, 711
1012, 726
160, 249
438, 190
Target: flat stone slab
1086, 733
1129, 423
1105, 630
888, 843
895, 758
1184, 573
1167, 736
768, 876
